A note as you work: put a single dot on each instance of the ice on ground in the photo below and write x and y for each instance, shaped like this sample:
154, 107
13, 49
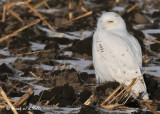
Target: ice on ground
5, 52
119, 8
148, 33
80, 64
70, 35
12, 59
45, 67
64, 46
51, 10
150, 11
59, 110
153, 70
37, 46
69, 53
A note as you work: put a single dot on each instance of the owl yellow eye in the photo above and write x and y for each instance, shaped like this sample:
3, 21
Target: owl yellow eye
110, 21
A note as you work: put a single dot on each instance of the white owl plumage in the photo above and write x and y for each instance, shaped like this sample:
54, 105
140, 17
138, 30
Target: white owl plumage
117, 54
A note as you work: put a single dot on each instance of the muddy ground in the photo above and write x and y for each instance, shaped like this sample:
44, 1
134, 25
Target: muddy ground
61, 84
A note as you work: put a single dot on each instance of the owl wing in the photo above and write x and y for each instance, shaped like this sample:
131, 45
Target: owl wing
136, 47
123, 56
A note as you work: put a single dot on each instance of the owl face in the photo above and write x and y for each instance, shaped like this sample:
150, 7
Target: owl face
110, 21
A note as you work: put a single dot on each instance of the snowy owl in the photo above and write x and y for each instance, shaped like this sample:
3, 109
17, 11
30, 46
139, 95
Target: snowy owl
117, 54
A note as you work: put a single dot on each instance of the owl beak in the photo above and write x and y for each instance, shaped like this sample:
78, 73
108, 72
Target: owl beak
110, 21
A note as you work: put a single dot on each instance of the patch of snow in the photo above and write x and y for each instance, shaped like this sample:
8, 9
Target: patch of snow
5, 52
80, 64
150, 11
139, 26
148, 33
69, 53
37, 46
151, 31
119, 8
89, 4
69, 35
8, 60
51, 10
152, 70
2, 1
59, 110
12, 59
45, 67
63, 46
37, 88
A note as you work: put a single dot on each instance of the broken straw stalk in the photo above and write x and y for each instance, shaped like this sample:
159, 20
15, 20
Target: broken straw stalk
79, 17
15, 32
119, 96
24, 98
39, 5
154, 40
133, 7
40, 16
35, 75
151, 108
15, 15
16, 103
125, 92
32, 9
8, 101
